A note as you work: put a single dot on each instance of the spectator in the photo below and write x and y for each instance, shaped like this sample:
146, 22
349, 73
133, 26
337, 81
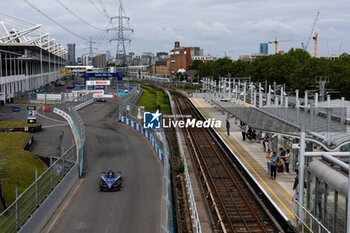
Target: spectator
268, 161
286, 160
282, 153
249, 133
266, 142
296, 185
273, 159
228, 127
244, 129
319, 192
280, 158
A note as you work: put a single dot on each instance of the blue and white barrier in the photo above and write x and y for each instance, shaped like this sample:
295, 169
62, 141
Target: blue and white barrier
84, 104
147, 134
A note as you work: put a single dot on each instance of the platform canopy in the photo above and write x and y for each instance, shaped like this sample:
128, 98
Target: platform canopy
330, 134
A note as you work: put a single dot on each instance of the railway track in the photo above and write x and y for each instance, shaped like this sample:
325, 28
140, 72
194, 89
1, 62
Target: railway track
232, 202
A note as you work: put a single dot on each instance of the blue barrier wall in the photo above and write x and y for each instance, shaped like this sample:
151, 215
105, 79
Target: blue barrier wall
147, 134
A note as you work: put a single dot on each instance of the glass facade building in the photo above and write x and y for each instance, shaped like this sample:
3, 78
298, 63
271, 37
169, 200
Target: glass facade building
264, 48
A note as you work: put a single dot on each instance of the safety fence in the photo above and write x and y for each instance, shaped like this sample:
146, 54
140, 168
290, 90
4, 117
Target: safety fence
309, 223
127, 110
20, 211
70, 109
196, 225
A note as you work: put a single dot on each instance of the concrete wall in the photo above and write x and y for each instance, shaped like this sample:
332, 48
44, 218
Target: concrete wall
49, 206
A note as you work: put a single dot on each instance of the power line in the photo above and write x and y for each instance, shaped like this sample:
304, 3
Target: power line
58, 24
103, 8
65, 7
93, 4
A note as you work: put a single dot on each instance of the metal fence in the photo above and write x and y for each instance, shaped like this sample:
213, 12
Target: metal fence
71, 108
17, 214
28, 201
196, 225
308, 223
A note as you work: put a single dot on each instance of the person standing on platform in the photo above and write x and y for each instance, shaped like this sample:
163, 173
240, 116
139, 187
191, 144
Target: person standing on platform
286, 160
282, 153
228, 127
274, 159
266, 142
280, 158
268, 161
244, 130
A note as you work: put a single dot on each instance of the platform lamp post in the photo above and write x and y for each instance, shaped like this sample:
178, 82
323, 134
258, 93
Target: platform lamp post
229, 87
301, 172
244, 93
348, 207
282, 95
260, 96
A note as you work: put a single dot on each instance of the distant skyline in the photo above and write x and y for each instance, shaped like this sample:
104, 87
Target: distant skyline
215, 25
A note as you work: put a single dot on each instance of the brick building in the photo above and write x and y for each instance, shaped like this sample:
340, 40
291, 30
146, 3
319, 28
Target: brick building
180, 58
161, 68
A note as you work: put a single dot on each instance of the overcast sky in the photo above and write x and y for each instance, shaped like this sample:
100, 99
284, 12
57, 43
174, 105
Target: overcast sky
238, 26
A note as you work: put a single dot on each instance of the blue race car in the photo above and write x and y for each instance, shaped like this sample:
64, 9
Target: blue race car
110, 181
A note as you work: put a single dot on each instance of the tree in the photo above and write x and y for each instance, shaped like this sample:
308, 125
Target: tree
196, 64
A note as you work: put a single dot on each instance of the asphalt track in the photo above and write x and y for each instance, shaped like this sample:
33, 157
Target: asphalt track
112, 145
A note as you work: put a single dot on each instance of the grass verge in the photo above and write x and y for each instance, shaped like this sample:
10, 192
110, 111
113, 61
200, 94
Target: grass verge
18, 166
154, 99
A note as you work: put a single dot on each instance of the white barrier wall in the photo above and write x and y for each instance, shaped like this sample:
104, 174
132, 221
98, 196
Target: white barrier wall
9, 85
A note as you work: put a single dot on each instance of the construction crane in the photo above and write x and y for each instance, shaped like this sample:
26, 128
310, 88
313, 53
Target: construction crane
315, 48
276, 42
228, 51
312, 31
340, 45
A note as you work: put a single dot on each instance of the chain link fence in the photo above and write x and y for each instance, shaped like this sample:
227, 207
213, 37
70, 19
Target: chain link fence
17, 214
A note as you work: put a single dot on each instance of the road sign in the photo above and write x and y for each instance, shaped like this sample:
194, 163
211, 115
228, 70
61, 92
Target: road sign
31, 116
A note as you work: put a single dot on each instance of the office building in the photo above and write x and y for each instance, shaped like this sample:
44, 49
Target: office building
71, 54
264, 48
161, 68
99, 61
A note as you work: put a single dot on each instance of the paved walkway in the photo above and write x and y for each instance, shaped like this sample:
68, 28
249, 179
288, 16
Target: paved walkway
252, 156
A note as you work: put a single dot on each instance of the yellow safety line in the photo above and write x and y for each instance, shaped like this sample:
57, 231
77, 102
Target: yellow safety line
253, 169
286, 195
258, 166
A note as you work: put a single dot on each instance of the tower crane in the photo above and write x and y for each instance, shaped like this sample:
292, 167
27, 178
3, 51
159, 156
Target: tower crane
312, 31
315, 48
228, 51
276, 42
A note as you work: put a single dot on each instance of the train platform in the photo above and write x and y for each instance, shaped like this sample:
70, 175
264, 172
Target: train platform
251, 155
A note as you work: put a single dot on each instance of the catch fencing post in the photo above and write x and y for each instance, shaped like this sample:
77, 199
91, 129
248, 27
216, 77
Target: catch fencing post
36, 189
51, 177
17, 210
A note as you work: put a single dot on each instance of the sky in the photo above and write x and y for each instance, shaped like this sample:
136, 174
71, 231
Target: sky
235, 26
